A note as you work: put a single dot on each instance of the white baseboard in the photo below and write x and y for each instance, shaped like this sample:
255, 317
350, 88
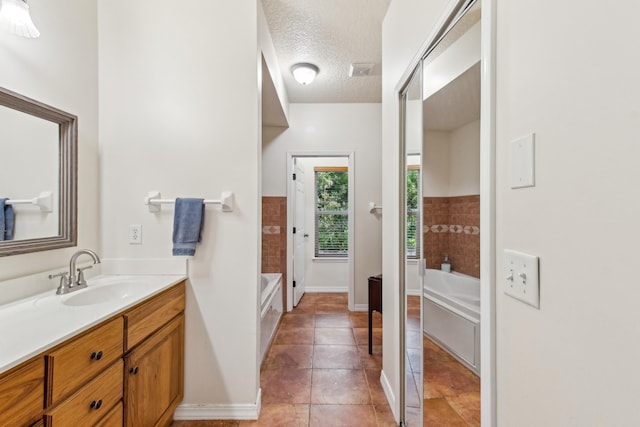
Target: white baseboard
327, 289
211, 411
361, 307
386, 387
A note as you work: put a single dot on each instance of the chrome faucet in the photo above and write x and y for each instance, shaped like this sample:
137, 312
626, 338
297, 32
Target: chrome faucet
74, 282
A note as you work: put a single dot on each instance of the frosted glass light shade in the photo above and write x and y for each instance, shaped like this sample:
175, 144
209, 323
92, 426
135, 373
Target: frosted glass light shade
15, 18
304, 73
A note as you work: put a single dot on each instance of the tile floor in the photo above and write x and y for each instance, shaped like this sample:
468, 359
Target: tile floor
318, 373
451, 391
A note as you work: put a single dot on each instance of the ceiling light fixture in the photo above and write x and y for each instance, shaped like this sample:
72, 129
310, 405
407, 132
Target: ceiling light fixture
304, 73
15, 18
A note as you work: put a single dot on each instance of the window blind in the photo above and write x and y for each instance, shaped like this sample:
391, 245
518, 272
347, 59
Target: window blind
413, 212
332, 216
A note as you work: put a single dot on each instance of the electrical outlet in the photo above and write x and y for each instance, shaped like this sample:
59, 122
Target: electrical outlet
135, 234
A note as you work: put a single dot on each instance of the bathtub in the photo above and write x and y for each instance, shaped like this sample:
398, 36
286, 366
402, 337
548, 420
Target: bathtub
270, 308
451, 314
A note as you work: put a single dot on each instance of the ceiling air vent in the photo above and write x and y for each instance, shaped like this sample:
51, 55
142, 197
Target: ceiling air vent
360, 70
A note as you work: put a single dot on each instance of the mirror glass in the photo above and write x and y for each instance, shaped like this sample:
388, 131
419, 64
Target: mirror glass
412, 207
440, 142
38, 176
32, 169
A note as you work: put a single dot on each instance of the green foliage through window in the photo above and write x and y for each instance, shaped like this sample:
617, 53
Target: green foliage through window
332, 202
413, 237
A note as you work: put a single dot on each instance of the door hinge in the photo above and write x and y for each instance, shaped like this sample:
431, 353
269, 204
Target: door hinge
294, 176
294, 283
294, 230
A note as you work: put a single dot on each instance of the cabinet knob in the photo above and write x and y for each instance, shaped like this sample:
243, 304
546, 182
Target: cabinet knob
96, 355
96, 404
133, 370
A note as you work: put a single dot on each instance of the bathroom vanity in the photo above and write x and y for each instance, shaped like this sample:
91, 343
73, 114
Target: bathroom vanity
124, 368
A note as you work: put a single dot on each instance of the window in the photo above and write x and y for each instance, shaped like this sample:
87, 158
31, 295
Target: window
413, 212
332, 201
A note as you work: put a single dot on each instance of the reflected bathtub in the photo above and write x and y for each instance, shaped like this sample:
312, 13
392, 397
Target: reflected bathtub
451, 308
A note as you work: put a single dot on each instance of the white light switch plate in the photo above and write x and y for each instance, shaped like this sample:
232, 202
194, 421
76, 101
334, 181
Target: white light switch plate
521, 277
522, 162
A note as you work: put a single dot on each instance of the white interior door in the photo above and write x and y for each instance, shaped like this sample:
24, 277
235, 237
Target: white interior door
299, 240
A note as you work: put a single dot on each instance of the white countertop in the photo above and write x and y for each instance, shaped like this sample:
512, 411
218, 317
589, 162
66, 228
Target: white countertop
32, 325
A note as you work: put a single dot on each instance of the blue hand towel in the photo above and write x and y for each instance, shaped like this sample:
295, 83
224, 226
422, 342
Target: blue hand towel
6, 220
188, 219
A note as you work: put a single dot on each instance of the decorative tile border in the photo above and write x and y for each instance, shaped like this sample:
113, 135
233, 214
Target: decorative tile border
271, 229
443, 228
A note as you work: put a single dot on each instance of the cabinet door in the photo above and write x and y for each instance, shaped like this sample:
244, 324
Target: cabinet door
22, 395
154, 377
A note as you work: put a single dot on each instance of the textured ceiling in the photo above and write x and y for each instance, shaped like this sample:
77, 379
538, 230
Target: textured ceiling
331, 34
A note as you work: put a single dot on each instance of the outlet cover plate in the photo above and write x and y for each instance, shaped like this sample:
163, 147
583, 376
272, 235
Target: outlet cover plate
522, 162
135, 234
522, 277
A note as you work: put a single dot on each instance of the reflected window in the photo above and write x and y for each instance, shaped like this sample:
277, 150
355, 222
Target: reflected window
413, 212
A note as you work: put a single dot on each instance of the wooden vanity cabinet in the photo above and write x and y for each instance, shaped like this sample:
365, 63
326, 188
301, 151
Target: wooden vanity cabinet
92, 402
77, 361
113, 418
21, 394
154, 359
154, 377
127, 370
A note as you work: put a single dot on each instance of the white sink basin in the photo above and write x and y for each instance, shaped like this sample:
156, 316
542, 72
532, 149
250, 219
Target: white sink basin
104, 294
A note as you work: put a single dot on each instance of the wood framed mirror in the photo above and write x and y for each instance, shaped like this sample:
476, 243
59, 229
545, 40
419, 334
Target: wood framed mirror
38, 176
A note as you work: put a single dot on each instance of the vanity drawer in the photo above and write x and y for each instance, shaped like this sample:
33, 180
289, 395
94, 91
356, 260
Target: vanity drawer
22, 394
143, 320
79, 360
114, 418
92, 402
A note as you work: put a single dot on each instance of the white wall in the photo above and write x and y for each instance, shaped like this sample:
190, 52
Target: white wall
436, 169
452, 162
179, 113
464, 160
575, 357
321, 275
341, 128
577, 90
60, 69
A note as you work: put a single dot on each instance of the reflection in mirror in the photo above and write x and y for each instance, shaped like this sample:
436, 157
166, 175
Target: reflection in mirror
411, 144
439, 142
451, 238
31, 169
38, 177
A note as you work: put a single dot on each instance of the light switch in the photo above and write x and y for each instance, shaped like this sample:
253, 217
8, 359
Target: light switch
522, 162
521, 277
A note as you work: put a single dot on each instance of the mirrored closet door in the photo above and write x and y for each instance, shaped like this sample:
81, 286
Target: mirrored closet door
440, 176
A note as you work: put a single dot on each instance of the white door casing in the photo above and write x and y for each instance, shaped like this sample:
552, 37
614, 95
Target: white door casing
299, 234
